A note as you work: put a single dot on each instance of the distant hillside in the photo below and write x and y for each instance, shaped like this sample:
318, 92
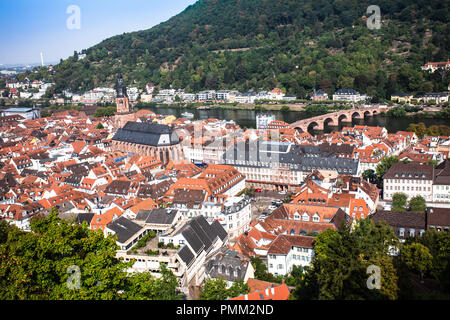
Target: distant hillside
260, 44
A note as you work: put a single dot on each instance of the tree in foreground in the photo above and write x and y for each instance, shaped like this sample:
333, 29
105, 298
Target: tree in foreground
216, 289
339, 269
399, 201
417, 204
63, 260
416, 257
384, 165
370, 175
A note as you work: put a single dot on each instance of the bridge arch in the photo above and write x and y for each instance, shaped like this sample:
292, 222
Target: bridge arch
367, 113
313, 125
329, 121
357, 115
342, 117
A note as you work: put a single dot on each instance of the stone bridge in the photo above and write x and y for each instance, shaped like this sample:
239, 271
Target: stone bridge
333, 119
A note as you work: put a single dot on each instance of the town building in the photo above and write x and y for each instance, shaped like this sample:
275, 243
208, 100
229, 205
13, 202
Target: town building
26, 113
263, 120
287, 251
348, 95
441, 183
433, 66
319, 95
281, 166
412, 179
229, 265
151, 139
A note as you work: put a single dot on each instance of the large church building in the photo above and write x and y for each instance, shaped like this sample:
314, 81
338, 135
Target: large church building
150, 139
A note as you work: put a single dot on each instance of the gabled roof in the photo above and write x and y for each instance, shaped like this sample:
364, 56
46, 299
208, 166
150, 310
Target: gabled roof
146, 134
283, 243
124, 229
186, 255
157, 216
280, 292
400, 219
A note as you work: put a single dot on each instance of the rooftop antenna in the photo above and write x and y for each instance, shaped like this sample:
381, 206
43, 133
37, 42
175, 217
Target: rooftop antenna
42, 60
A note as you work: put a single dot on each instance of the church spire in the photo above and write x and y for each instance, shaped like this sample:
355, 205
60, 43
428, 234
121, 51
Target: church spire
121, 90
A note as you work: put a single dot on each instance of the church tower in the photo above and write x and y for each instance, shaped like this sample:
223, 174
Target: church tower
122, 102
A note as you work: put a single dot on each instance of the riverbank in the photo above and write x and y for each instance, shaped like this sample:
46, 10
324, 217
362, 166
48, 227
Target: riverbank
297, 105
230, 106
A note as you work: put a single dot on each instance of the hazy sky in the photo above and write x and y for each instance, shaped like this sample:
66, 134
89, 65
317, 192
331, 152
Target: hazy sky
30, 27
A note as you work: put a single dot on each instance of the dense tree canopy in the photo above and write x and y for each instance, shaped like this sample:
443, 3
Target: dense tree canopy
347, 262
384, 166
399, 200
342, 258
216, 289
63, 260
256, 44
417, 203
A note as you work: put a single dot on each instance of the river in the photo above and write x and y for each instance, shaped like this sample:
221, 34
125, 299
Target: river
247, 118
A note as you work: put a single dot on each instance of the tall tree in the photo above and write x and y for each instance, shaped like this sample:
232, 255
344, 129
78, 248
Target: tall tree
342, 258
416, 257
418, 204
399, 201
216, 289
59, 259
384, 165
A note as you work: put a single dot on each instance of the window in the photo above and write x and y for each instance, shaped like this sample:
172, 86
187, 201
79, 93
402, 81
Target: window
280, 266
401, 232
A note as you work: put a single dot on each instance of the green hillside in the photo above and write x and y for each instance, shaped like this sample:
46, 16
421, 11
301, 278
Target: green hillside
260, 44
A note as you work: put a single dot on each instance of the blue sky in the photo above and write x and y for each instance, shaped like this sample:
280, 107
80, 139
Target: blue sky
30, 27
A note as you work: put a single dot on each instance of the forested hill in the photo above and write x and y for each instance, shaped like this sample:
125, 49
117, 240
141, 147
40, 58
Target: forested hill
261, 44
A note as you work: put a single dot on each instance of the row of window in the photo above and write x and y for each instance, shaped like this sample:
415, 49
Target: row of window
305, 217
407, 188
408, 180
412, 232
302, 258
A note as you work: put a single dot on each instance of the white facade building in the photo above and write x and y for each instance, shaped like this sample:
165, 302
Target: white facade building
287, 251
